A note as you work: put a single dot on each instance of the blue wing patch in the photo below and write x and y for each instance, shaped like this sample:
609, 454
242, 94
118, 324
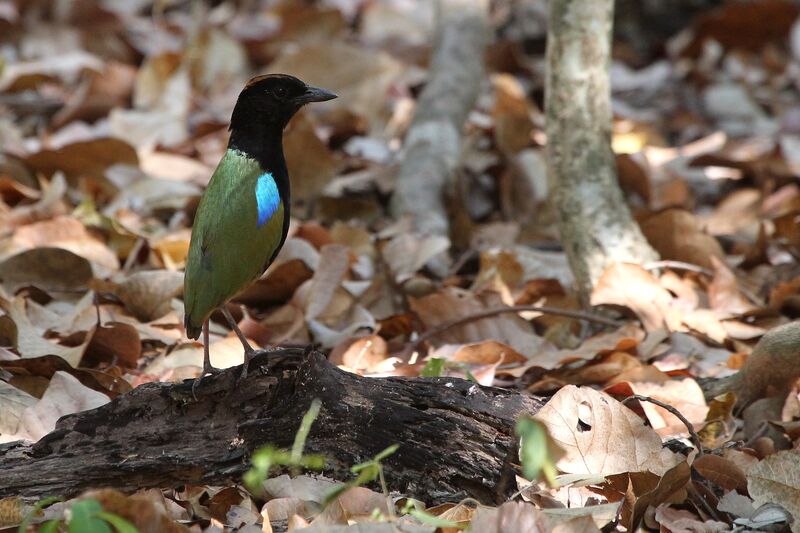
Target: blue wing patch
267, 198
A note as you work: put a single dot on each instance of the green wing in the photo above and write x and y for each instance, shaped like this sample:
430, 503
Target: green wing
230, 246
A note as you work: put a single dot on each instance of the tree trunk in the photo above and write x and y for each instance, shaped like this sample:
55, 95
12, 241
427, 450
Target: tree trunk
456, 438
595, 223
433, 142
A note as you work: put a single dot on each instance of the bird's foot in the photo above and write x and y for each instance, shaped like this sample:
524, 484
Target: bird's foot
248, 356
208, 370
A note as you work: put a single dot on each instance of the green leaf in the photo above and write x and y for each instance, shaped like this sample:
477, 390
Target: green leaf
313, 462
41, 504
51, 526
84, 518
535, 450
84, 524
264, 457
470, 376
433, 368
367, 471
387, 452
435, 521
305, 428
119, 523
335, 492
252, 480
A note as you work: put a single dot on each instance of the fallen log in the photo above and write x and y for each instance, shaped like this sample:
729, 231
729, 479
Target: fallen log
456, 438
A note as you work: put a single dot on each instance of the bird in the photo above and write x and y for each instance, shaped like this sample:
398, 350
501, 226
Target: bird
242, 220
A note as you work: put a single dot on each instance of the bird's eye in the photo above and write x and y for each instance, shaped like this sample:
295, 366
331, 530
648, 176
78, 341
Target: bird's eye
279, 92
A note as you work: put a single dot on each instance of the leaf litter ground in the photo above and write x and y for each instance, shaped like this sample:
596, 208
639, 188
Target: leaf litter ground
115, 115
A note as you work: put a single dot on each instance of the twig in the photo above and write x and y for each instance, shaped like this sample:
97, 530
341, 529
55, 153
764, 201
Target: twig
655, 265
693, 436
760, 432
487, 313
461, 261
696, 497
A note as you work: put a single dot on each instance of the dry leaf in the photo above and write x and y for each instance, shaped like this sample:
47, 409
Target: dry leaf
174, 167
225, 353
406, 253
451, 303
669, 486
776, 479
721, 472
514, 517
13, 402
148, 294
49, 205
684, 395
309, 174
145, 510
366, 354
95, 98
333, 265
33, 375
680, 520
29, 338
360, 77
512, 115
732, 26
723, 291
84, 159
114, 342
601, 436
676, 234
487, 353
46, 268
64, 396
61, 232
734, 503
632, 286
162, 120
283, 508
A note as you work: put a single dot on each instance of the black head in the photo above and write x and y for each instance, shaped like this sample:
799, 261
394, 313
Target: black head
270, 101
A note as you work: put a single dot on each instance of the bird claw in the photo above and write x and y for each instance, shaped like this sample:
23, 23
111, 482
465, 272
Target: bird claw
207, 371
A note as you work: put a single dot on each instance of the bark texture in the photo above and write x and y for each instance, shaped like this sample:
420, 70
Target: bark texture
595, 223
456, 438
433, 142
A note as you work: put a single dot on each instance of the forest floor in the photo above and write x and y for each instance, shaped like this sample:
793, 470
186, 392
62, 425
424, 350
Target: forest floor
114, 115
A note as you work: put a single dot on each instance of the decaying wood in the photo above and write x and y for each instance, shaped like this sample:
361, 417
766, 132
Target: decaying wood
433, 142
456, 438
595, 223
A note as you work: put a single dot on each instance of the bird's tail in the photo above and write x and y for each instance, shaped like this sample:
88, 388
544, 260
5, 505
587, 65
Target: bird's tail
192, 331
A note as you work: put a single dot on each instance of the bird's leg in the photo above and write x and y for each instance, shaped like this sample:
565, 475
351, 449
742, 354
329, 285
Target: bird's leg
249, 352
247, 348
207, 368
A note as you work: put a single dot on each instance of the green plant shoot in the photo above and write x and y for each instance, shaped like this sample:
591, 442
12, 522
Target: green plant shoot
366, 472
267, 457
537, 451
